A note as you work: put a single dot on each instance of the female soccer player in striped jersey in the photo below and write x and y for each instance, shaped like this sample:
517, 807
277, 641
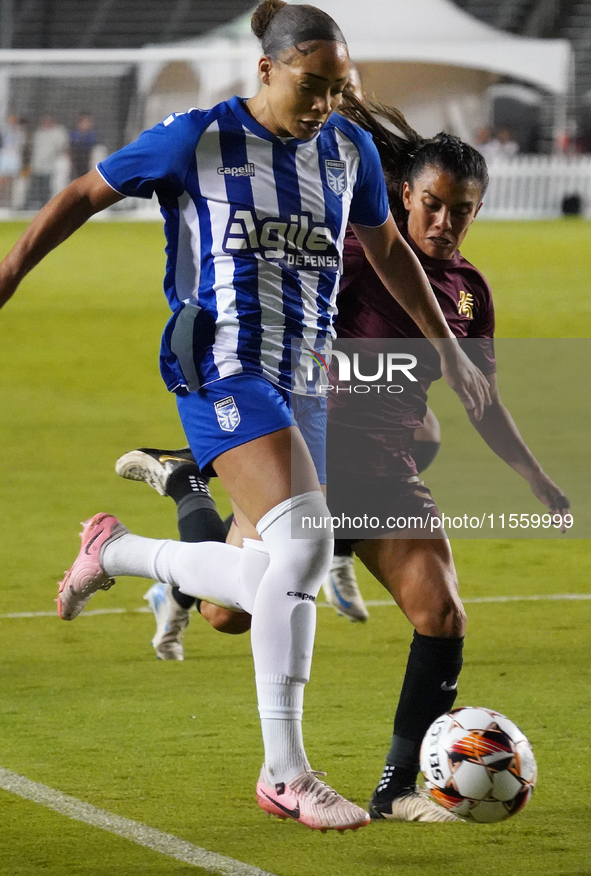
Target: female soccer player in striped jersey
436, 188
256, 195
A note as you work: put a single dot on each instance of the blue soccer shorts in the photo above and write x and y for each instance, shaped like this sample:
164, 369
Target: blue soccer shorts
234, 410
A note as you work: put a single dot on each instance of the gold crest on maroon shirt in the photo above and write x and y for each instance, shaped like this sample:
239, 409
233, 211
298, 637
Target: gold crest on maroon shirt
466, 304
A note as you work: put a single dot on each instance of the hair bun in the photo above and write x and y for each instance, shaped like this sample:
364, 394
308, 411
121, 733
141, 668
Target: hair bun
263, 15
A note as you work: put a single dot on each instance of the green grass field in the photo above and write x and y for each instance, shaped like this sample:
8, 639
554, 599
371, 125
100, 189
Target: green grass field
86, 708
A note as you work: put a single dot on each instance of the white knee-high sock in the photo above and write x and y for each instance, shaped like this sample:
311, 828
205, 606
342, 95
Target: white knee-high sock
254, 562
222, 574
131, 555
217, 574
283, 627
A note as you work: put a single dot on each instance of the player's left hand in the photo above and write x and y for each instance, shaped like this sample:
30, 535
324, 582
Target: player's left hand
464, 377
551, 496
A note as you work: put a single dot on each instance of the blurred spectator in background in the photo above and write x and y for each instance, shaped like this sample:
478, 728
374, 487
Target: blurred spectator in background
501, 145
50, 142
508, 146
12, 143
486, 144
82, 141
20, 183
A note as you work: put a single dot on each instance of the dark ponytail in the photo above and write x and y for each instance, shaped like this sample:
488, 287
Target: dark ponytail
405, 157
282, 26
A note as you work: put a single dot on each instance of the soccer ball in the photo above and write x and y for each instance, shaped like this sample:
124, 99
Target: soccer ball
478, 764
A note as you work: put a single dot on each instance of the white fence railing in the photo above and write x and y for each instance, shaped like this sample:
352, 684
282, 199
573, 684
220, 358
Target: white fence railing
524, 187
534, 186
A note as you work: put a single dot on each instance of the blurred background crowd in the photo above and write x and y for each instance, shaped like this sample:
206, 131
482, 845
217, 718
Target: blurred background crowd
38, 161
79, 78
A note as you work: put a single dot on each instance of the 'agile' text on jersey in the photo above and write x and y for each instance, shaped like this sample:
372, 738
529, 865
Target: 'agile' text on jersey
297, 244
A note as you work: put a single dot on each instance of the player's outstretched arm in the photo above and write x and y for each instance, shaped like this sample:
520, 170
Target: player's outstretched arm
500, 432
401, 273
52, 225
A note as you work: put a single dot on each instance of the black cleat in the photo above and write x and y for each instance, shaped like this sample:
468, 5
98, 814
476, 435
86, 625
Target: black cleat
154, 467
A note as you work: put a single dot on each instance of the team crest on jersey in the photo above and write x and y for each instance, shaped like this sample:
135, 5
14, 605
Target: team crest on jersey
336, 176
226, 410
466, 304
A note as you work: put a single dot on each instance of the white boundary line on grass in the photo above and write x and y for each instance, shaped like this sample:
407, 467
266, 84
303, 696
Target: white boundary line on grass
165, 843
551, 597
156, 840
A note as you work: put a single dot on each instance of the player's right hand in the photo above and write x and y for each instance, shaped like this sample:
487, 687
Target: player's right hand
551, 496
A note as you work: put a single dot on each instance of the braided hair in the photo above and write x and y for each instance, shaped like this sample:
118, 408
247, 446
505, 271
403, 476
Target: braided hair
406, 154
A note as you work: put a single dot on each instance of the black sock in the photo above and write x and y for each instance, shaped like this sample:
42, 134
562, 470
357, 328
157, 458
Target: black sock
424, 452
228, 523
186, 602
342, 547
185, 481
428, 691
394, 781
198, 519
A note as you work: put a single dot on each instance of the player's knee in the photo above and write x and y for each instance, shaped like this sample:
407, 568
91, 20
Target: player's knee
444, 617
304, 563
312, 557
298, 536
454, 620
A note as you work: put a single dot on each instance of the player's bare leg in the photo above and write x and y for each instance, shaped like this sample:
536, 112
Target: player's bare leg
232, 622
420, 575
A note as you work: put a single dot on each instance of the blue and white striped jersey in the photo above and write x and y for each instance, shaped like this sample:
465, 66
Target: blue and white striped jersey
254, 227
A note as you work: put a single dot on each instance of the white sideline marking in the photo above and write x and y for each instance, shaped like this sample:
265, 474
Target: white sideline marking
143, 609
165, 843
552, 597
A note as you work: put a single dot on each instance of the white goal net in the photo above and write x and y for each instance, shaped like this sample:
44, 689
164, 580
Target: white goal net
61, 111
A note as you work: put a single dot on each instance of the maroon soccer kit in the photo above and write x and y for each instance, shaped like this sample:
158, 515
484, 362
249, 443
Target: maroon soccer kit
370, 436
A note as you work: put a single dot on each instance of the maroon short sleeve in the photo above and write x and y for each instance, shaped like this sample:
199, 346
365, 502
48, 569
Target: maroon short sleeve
353, 258
480, 344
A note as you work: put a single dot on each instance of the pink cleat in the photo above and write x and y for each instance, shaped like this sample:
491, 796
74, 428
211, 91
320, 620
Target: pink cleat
311, 802
87, 575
